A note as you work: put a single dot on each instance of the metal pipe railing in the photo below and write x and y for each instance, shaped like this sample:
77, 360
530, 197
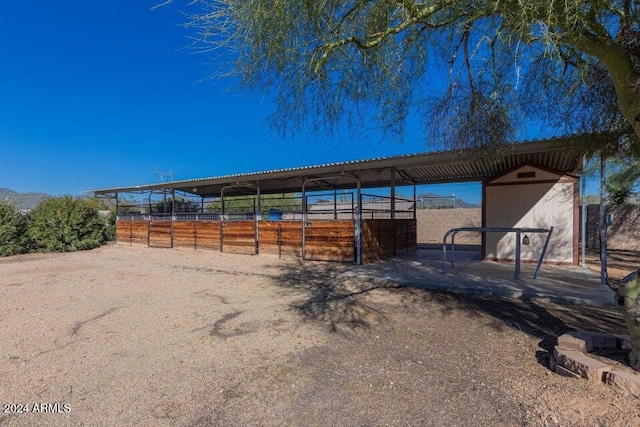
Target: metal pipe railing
518, 232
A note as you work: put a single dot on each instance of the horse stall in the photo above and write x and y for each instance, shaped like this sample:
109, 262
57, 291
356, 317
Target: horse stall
321, 212
318, 226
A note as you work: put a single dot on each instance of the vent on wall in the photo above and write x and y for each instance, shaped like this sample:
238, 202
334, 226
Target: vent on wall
531, 174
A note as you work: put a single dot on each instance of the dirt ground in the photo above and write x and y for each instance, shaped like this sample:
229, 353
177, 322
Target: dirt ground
619, 263
134, 336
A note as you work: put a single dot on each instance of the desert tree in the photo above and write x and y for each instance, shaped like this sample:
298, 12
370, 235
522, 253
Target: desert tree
474, 72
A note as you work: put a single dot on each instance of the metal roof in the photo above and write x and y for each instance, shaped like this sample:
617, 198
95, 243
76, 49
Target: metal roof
562, 154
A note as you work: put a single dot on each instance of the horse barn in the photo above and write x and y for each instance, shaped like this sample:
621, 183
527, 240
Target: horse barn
338, 212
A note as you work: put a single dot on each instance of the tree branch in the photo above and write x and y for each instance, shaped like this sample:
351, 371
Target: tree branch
417, 16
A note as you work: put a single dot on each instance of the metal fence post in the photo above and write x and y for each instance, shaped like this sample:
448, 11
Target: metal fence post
517, 272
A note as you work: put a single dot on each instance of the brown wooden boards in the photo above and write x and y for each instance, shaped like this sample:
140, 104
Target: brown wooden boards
160, 234
196, 234
184, 234
325, 240
280, 237
132, 232
331, 240
239, 237
406, 235
207, 235
383, 238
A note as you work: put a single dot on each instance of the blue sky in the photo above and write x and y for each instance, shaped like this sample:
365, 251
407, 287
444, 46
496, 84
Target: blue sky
104, 94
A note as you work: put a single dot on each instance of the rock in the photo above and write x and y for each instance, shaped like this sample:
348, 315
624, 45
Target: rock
601, 339
581, 364
627, 382
575, 340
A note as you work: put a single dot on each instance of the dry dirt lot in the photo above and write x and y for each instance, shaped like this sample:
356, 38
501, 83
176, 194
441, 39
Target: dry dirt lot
136, 336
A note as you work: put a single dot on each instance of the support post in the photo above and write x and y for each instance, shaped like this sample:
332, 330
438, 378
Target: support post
453, 247
258, 213
358, 230
221, 220
256, 216
117, 206
149, 221
583, 220
335, 204
517, 269
603, 224
415, 203
173, 208
393, 193
304, 219
544, 251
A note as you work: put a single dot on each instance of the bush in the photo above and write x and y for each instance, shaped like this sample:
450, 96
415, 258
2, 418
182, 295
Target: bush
110, 227
12, 230
66, 224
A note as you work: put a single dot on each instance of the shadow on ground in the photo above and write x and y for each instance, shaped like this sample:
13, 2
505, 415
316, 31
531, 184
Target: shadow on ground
344, 304
327, 297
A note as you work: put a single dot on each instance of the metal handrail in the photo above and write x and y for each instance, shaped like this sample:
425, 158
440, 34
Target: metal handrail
518, 232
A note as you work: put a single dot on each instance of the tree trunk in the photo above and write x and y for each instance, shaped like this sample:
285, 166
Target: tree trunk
629, 296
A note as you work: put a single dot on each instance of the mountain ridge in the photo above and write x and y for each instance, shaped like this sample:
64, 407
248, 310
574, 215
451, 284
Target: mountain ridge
24, 201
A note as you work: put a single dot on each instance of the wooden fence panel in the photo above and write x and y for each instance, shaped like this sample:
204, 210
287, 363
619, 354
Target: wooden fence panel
330, 240
184, 234
160, 234
406, 237
132, 232
383, 238
280, 237
239, 237
207, 235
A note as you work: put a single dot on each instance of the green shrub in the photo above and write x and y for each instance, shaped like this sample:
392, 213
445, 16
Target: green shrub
110, 227
66, 224
12, 230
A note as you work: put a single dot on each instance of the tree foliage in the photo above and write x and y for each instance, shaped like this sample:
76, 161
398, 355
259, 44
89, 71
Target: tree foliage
12, 230
622, 182
476, 71
110, 227
66, 224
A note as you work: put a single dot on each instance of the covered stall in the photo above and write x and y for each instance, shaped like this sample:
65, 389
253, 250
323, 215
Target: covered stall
325, 213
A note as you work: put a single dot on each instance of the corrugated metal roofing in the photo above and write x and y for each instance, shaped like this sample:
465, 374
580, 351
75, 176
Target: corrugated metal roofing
562, 154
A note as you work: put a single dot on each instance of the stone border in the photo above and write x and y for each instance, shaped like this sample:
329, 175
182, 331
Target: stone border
570, 358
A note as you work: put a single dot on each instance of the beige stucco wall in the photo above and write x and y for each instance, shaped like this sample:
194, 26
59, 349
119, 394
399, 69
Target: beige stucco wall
623, 234
525, 203
433, 223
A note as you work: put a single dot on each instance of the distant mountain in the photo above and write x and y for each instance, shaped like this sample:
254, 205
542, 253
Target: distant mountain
435, 201
24, 201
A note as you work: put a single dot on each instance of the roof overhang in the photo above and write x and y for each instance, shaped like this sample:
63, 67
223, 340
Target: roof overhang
561, 154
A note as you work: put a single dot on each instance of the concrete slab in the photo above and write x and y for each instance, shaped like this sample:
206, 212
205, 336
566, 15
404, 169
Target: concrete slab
422, 268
